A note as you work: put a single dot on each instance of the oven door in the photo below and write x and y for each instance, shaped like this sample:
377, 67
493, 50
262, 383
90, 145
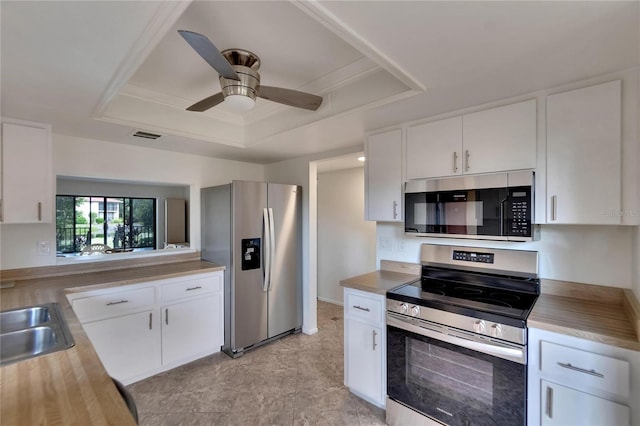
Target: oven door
454, 380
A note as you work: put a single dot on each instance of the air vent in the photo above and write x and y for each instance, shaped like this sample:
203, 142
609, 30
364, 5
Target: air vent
146, 135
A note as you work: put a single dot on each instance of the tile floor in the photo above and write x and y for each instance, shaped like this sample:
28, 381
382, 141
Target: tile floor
297, 380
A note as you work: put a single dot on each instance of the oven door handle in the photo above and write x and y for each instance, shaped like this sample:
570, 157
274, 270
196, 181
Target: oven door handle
515, 354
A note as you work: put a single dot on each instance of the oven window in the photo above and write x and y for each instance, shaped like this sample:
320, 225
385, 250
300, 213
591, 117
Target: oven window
463, 378
452, 384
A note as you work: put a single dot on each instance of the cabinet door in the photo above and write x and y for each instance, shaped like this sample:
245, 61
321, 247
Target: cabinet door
193, 327
565, 406
500, 139
27, 181
434, 149
364, 363
583, 155
384, 177
129, 345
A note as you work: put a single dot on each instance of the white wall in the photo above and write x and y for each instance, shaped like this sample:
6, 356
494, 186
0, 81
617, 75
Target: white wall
346, 242
89, 158
599, 255
303, 171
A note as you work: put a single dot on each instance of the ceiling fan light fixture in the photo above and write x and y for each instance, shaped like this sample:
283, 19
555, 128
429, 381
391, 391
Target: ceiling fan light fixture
239, 103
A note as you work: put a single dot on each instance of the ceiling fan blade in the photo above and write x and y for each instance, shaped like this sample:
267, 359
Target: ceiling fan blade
209, 53
290, 97
207, 103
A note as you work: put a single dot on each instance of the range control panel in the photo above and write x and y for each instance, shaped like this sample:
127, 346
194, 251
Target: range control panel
470, 256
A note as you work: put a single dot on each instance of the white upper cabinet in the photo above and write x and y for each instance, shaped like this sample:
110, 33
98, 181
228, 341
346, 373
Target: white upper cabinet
434, 149
493, 140
584, 155
383, 182
27, 180
500, 139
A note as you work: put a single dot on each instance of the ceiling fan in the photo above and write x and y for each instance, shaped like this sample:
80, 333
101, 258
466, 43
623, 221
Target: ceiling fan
239, 79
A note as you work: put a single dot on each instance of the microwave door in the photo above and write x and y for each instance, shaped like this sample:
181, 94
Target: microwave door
455, 214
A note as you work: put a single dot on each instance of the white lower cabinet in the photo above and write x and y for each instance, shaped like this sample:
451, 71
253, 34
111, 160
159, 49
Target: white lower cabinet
143, 329
365, 345
127, 345
564, 406
183, 337
574, 381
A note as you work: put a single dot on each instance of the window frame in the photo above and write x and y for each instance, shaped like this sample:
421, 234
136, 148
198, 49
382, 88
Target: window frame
128, 224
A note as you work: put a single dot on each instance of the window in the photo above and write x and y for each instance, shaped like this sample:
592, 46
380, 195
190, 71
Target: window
125, 224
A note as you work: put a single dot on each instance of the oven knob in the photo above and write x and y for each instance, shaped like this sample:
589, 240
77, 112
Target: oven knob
415, 310
496, 330
404, 308
478, 327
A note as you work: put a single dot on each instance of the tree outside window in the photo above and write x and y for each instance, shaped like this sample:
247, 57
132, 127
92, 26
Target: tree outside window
126, 223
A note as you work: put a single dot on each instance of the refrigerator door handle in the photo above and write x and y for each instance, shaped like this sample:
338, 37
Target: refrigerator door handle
272, 247
266, 250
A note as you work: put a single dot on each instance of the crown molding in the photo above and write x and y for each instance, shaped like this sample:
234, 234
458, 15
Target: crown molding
166, 16
317, 11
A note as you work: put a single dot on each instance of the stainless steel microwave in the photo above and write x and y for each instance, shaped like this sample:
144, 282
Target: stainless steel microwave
489, 207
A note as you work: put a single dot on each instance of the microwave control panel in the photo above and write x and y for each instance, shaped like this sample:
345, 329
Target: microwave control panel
520, 212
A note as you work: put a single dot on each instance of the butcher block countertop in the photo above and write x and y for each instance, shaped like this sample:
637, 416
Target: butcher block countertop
391, 275
602, 314
71, 387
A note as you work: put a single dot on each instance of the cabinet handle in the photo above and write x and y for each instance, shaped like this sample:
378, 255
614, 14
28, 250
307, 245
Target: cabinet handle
194, 288
166, 316
1, 211
554, 207
39, 211
374, 340
466, 158
117, 303
361, 308
395, 209
455, 161
150, 320
549, 410
581, 370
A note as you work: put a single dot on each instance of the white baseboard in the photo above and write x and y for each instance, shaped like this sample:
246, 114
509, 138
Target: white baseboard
334, 302
310, 331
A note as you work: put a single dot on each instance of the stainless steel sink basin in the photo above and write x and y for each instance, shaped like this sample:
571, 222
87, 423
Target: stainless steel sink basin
27, 343
19, 319
32, 331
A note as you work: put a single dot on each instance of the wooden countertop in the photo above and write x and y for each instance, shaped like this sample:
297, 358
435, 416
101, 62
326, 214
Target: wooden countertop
71, 387
602, 314
392, 274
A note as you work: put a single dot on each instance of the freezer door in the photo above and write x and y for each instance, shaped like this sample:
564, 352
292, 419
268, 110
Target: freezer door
248, 298
285, 288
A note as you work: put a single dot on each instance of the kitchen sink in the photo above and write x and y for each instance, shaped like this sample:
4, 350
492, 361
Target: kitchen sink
19, 319
32, 331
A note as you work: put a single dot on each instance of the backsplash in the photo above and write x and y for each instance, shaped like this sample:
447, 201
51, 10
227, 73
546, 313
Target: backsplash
601, 255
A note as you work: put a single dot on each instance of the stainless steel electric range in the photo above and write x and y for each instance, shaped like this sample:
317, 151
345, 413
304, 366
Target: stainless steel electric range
456, 339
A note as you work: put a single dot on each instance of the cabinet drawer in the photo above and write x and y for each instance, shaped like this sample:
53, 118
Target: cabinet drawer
364, 308
585, 370
113, 304
191, 287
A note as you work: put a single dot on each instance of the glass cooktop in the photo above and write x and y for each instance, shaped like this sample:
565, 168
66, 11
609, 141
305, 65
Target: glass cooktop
505, 296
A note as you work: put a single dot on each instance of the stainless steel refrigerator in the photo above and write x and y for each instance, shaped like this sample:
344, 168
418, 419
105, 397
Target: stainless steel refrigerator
254, 229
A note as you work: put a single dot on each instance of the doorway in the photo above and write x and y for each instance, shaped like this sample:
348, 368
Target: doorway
346, 243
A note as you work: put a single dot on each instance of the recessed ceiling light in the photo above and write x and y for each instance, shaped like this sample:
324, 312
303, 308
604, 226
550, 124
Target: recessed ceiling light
360, 158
